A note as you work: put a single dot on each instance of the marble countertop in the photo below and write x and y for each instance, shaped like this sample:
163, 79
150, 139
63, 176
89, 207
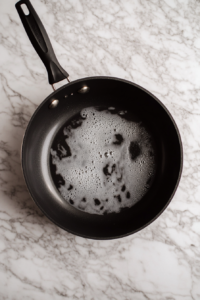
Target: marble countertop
155, 44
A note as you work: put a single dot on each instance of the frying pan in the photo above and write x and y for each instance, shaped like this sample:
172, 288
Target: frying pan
66, 102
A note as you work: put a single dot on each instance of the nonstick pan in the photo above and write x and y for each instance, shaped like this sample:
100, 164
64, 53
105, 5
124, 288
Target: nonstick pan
61, 107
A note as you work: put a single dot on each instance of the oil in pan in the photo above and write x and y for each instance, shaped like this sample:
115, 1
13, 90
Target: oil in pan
102, 160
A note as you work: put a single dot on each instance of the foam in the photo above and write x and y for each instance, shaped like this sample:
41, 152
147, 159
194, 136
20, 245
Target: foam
107, 162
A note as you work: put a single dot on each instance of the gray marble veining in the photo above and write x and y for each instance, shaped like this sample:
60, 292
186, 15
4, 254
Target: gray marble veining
155, 44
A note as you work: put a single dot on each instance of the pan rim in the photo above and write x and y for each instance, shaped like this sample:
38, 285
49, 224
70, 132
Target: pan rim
174, 126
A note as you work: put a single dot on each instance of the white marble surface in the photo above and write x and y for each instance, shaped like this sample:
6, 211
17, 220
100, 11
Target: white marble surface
155, 44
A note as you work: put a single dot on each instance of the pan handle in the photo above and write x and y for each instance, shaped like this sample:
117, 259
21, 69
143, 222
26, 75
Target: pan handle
40, 41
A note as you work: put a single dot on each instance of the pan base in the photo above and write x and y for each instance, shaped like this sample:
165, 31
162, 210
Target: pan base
102, 160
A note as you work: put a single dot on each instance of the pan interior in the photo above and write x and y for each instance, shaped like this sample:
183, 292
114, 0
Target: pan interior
44, 128
103, 160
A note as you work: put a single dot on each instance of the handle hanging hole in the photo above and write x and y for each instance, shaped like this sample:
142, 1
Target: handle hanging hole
25, 9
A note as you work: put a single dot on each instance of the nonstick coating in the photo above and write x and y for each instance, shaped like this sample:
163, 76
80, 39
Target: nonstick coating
46, 122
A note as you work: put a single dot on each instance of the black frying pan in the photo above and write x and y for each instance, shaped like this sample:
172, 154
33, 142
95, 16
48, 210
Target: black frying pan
67, 102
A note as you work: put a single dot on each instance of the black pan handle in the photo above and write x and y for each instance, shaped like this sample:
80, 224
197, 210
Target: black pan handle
40, 41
